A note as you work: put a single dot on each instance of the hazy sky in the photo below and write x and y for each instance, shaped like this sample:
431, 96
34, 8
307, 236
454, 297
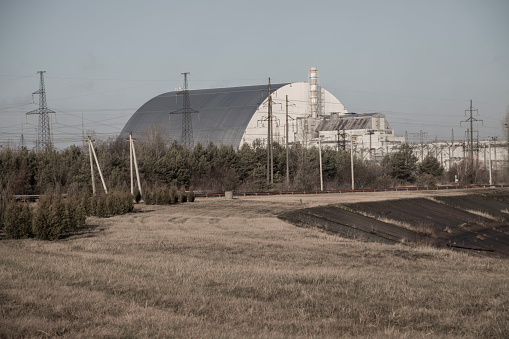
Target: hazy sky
418, 62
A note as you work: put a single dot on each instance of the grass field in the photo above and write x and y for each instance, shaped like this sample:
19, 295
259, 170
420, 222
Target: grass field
231, 268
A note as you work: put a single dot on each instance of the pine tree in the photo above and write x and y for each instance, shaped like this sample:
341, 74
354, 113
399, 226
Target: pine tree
402, 164
18, 220
430, 165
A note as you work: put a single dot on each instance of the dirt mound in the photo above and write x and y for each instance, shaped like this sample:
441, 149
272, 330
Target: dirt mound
477, 223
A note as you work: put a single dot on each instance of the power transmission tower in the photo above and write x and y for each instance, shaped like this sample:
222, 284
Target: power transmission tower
186, 110
471, 120
44, 131
22, 143
342, 134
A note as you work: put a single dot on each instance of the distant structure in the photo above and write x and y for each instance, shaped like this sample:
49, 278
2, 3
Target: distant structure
370, 132
44, 141
22, 143
315, 93
237, 115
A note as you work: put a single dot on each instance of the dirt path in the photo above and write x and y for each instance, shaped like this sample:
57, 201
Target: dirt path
312, 200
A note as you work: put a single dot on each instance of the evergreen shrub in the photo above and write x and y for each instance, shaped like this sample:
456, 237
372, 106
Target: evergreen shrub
190, 196
50, 218
148, 197
18, 220
164, 195
182, 194
101, 206
173, 195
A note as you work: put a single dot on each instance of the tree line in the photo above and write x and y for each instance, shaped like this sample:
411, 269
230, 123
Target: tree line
215, 168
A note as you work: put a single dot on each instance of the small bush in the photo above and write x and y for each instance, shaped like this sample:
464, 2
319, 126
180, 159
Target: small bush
76, 212
163, 196
5, 199
18, 220
190, 196
40, 221
426, 180
101, 206
148, 198
182, 194
173, 195
123, 202
167, 195
114, 203
50, 219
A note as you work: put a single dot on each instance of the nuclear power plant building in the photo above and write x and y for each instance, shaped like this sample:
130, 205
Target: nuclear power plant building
237, 115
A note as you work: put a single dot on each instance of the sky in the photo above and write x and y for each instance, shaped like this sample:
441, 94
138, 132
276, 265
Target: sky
418, 62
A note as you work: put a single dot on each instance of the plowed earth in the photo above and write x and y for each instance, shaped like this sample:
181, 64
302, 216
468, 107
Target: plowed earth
476, 223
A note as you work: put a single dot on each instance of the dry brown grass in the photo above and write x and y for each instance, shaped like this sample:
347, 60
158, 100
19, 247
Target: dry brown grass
218, 268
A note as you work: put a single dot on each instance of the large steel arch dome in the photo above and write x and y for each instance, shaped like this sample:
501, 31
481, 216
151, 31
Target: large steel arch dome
230, 116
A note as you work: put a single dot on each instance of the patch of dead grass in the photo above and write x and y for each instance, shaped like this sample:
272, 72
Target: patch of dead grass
213, 270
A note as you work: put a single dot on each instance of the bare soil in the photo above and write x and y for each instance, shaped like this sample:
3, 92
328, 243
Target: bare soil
474, 220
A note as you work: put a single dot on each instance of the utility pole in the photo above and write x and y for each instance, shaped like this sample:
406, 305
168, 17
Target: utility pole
131, 162
44, 131
320, 158
351, 162
370, 132
83, 135
92, 151
270, 160
287, 150
132, 156
422, 146
186, 110
91, 165
489, 162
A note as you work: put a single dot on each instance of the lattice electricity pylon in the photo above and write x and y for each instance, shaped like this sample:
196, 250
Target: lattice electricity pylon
44, 132
187, 122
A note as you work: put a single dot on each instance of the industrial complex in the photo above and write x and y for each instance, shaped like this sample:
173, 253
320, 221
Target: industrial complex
297, 112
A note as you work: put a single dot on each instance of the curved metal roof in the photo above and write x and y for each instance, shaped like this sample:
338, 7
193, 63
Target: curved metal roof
224, 113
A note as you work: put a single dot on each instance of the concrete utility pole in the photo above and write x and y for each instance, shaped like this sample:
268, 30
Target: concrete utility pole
91, 165
92, 151
351, 162
287, 150
489, 162
132, 156
370, 132
422, 146
320, 158
270, 159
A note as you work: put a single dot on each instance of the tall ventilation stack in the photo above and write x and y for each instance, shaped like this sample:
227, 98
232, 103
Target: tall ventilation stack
314, 92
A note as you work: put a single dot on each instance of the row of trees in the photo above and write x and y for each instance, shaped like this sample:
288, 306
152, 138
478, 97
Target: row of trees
211, 168
53, 215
